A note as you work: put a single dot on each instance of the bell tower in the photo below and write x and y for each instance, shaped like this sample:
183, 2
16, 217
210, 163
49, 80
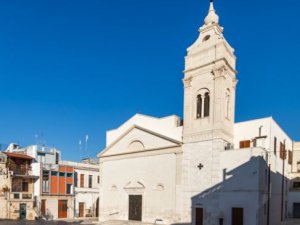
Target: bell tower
209, 84
209, 107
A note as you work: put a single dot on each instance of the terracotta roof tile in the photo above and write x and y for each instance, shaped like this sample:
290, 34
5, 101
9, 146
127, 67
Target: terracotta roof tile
17, 155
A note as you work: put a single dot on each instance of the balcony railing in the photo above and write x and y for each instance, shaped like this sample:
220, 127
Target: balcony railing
21, 196
22, 171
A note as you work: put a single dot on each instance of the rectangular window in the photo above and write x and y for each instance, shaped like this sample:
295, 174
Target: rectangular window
81, 180
24, 186
290, 160
45, 182
69, 187
75, 179
56, 157
61, 174
296, 184
245, 144
90, 181
69, 174
16, 196
282, 151
98, 179
53, 173
237, 216
275, 145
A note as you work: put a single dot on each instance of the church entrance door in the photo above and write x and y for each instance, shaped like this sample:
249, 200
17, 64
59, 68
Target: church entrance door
199, 216
135, 207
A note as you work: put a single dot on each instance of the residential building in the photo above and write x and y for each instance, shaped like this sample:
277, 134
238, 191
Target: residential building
87, 182
54, 191
16, 186
294, 184
208, 169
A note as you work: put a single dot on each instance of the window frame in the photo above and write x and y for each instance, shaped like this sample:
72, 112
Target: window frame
90, 181
82, 180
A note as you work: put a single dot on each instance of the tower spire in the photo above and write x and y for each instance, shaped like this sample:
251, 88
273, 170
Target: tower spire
212, 17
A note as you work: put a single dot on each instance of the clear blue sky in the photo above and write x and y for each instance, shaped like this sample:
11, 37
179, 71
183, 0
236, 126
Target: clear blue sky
70, 68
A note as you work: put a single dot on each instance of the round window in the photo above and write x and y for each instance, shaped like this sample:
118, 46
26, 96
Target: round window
206, 38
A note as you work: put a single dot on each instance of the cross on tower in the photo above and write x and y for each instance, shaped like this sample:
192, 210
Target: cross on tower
200, 166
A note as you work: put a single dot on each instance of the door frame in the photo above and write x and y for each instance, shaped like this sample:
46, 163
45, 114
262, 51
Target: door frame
232, 214
195, 211
141, 216
294, 209
83, 209
43, 207
61, 206
20, 211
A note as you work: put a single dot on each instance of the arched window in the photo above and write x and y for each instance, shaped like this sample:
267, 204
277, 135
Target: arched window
206, 104
136, 146
199, 106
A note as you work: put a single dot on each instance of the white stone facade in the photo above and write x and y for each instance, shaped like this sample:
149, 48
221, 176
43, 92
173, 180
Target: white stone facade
210, 164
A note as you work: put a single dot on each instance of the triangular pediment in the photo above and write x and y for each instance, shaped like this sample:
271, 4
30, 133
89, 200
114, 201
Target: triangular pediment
137, 139
134, 185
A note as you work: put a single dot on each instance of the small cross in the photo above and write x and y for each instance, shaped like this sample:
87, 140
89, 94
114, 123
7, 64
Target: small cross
200, 166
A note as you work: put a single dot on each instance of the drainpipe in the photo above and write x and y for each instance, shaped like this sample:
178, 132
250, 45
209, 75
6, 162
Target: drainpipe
269, 190
282, 182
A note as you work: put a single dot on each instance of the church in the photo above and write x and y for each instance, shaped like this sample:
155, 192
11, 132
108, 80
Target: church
205, 169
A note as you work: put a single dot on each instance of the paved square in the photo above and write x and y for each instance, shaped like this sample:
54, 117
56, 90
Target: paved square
41, 222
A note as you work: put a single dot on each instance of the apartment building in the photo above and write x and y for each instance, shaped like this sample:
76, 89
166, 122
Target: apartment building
16, 186
86, 182
57, 196
54, 195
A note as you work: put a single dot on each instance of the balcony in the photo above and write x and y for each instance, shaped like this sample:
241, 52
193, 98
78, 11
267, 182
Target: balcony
21, 170
22, 173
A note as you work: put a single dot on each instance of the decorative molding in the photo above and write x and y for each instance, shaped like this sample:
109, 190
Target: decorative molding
207, 135
136, 188
211, 63
103, 153
235, 82
187, 82
150, 152
220, 72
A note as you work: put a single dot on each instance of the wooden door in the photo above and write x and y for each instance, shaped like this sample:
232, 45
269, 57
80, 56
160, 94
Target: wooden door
81, 209
199, 216
296, 210
43, 207
97, 207
62, 208
237, 216
135, 207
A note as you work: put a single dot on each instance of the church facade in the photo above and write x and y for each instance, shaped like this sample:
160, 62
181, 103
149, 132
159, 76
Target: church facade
207, 170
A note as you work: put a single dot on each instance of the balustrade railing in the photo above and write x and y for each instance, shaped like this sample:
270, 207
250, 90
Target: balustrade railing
20, 196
